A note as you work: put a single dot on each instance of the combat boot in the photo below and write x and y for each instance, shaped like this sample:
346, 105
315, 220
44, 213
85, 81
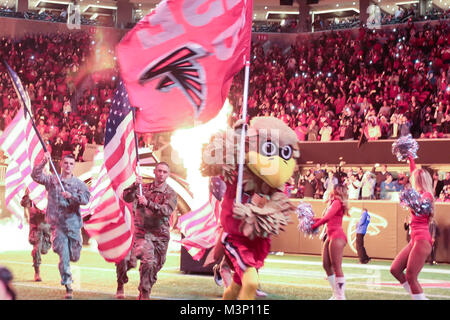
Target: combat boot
69, 292
37, 276
120, 292
144, 295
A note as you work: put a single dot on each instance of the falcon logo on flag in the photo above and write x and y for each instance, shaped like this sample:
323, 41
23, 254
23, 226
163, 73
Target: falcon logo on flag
179, 61
180, 69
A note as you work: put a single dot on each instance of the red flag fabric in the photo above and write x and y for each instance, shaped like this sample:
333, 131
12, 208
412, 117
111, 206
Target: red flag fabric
179, 61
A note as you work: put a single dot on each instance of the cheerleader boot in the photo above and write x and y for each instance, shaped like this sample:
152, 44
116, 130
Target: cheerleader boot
249, 284
419, 296
231, 292
340, 288
332, 280
406, 287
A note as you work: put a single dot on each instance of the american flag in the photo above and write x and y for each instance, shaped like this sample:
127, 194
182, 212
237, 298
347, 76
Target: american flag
200, 228
111, 222
120, 149
96, 187
21, 143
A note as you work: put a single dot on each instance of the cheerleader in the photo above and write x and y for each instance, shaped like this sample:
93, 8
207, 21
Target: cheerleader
413, 256
336, 239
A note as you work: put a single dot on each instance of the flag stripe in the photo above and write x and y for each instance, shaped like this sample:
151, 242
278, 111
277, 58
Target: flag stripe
200, 228
110, 223
21, 143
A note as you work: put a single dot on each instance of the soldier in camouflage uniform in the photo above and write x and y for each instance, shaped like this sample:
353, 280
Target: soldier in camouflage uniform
63, 214
122, 267
39, 235
152, 211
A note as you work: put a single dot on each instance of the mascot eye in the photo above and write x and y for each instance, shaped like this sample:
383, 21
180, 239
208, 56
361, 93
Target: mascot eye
269, 149
286, 152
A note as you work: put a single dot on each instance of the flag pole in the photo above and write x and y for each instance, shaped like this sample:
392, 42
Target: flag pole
24, 104
243, 133
44, 147
138, 167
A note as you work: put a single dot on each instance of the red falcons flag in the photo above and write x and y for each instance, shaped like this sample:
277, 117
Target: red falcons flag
179, 61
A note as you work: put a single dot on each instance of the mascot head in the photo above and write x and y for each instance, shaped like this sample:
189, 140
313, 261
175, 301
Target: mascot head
271, 150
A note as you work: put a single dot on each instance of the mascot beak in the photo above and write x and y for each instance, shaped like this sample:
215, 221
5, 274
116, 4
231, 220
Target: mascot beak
273, 170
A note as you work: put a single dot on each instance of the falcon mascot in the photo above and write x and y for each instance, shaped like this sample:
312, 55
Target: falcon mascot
271, 150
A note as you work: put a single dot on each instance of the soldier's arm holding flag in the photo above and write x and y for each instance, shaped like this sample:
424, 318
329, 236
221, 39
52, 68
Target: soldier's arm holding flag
129, 194
80, 195
164, 209
38, 174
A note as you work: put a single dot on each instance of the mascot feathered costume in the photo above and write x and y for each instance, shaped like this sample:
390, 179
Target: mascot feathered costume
271, 149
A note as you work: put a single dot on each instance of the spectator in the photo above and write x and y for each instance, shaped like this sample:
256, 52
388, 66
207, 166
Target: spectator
346, 130
353, 186
368, 183
380, 177
438, 185
444, 196
329, 183
313, 131
387, 187
308, 184
404, 127
402, 181
325, 132
301, 131
447, 179
360, 173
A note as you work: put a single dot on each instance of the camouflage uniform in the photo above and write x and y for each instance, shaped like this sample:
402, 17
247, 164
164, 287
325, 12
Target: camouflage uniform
64, 217
39, 235
151, 235
122, 267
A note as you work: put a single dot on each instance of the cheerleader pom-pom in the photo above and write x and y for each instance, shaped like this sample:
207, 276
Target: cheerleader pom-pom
405, 147
305, 216
410, 198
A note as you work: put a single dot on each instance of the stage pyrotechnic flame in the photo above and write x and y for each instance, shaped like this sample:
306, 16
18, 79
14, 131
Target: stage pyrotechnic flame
189, 142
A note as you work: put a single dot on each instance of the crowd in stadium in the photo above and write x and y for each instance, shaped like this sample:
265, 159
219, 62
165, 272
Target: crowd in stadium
362, 184
47, 64
383, 84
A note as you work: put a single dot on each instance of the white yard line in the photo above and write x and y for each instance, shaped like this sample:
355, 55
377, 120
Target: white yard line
74, 266
352, 265
408, 297
32, 285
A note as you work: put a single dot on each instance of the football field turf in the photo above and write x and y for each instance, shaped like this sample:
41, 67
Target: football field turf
284, 277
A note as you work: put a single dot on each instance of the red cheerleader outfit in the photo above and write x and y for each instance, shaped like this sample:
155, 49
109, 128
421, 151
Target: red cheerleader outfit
333, 219
419, 223
242, 251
